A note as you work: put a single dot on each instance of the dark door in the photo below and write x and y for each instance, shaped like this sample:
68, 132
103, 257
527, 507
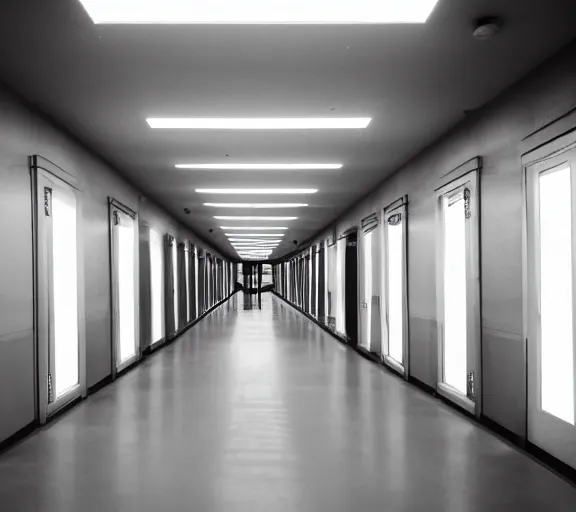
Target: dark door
351, 288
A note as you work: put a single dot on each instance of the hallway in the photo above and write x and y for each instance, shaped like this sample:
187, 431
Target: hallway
262, 411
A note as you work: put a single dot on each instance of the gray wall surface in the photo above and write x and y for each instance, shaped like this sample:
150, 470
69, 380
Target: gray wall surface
495, 133
24, 133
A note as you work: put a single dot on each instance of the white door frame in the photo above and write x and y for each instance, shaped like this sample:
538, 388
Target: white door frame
465, 177
544, 430
399, 206
117, 365
45, 174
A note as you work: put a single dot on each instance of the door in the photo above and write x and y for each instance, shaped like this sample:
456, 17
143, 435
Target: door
550, 193
314, 282
157, 287
321, 265
350, 297
370, 337
458, 291
172, 293
394, 284
124, 270
365, 289
59, 294
194, 282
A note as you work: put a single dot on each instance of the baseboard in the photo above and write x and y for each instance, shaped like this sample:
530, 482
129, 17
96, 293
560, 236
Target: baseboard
99, 385
367, 354
550, 462
18, 437
421, 385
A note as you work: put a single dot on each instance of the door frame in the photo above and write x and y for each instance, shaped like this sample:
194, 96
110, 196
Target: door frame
551, 142
398, 206
118, 367
370, 225
468, 173
42, 169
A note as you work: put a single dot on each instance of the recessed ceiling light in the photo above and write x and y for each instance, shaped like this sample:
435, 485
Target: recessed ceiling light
271, 123
249, 247
251, 228
233, 217
242, 247
256, 205
258, 12
259, 167
256, 190
254, 234
253, 240
246, 245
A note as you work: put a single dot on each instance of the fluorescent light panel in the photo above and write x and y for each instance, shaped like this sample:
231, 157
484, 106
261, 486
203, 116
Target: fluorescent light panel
255, 252
232, 217
260, 167
249, 228
254, 123
256, 190
315, 12
256, 205
263, 246
253, 234
252, 240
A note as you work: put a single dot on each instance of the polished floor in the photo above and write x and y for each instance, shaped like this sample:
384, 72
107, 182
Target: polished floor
262, 411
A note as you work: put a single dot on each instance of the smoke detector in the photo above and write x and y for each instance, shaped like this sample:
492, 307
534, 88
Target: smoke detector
487, 28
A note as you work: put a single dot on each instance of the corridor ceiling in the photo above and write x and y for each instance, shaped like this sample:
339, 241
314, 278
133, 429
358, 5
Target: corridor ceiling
414, 80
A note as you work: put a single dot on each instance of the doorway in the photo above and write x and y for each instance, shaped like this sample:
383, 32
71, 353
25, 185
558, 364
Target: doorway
370, 328
550, 200
321, 264
351, 288
124, 286
59, 289
172, 293
458, 292
394, 286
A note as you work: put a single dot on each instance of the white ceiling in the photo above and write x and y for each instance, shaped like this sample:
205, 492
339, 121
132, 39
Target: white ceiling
415, 81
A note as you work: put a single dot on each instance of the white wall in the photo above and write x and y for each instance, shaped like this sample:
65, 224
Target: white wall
24, 133
494, 133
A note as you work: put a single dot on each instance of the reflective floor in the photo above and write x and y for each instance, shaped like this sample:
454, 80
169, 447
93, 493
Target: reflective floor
262, 411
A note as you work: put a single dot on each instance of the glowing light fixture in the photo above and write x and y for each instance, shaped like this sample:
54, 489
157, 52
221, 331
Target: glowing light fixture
315, 12
254, 123
256, 205
232, 217
254, 234
249, 228
253, 246
260, 167
256, 190
252, 240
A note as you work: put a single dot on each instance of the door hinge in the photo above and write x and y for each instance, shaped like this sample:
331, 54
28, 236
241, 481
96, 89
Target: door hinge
50, 389
116, 218
467, 212
471, 387
47, 201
